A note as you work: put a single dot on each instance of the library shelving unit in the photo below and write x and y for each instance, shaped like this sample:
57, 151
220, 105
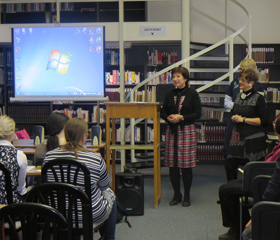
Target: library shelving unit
267, 57
71, 12
210, 139
134, 110
5, 75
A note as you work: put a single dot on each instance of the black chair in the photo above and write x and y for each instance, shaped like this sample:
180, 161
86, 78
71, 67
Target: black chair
251, 170
67, 171
6, 185
259, 185
71, 201
37, 221
266, 221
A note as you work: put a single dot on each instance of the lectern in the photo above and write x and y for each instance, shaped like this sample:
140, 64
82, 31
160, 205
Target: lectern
134, 110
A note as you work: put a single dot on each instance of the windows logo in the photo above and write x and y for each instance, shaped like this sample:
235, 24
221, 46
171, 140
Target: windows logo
59, 61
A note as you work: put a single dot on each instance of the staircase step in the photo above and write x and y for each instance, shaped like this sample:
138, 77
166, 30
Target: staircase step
209, 70
203, 82
211, 58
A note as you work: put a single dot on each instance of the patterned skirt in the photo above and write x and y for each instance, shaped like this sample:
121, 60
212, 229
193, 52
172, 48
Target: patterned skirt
186, 147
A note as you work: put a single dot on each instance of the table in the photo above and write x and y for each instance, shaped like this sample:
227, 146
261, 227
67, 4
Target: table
28, 147
33, 171
134, 110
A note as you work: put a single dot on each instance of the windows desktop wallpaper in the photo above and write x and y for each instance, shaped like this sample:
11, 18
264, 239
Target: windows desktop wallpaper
55, 61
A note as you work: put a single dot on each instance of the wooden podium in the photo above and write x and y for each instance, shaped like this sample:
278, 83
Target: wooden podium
134, 110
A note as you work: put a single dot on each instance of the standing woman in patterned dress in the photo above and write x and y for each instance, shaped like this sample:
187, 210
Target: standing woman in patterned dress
180, 109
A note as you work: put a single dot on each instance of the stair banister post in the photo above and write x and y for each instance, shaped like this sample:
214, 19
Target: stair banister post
231, 53
250, 37
121, 52
185, 29
226, 23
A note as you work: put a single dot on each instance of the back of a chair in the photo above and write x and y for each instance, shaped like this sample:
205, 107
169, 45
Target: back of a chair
33, 217
71, 201
266, 221
259, 185
38, 134
67, 171
6, 185
253, 169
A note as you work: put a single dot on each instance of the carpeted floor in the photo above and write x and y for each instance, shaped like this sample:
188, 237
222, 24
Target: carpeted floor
200, 221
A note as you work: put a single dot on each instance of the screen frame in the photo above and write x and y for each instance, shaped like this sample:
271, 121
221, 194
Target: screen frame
51, 98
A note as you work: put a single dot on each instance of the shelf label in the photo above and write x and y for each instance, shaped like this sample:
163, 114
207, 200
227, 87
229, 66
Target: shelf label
152, 31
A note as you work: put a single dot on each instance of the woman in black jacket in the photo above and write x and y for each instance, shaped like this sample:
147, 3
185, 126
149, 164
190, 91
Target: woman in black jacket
180, 109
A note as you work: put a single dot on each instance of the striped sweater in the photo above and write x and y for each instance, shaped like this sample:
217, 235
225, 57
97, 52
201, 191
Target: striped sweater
101, 207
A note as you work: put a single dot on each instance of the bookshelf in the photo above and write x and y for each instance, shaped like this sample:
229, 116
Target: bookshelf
267, 57
6, 75
210, 139
71, 12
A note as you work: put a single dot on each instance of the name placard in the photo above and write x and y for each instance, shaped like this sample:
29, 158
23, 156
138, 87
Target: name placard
152, 31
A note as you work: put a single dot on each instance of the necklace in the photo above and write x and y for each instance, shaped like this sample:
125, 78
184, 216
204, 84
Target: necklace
244, 95
179, 93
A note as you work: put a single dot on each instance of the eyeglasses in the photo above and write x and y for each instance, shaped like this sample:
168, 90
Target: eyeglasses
242, 80
241, 69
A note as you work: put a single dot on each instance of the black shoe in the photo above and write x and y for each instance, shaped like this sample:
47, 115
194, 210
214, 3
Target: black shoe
230, 235
175, 201
186, 203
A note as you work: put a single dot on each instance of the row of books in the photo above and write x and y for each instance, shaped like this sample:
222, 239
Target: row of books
80, 113
112, 57
138, 96
264, 75
263, 54
29, 113
207, 152
130, 77
63, 6
98, 115
38, 7
2, 79
213, 114
210, 99
25, 7
157, 57
165, 78
1, 59
272, 95
211, 132
138, 134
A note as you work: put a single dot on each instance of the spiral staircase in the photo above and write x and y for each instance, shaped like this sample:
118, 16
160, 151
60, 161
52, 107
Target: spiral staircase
209, 65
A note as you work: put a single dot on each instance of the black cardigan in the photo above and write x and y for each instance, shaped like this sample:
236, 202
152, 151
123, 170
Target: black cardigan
191, 107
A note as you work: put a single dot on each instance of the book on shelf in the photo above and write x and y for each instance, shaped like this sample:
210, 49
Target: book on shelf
262, 54
207, 152
272, 95
213, 114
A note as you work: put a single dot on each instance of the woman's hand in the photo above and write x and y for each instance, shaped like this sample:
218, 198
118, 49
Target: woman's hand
175, 118
248, 224
237, 118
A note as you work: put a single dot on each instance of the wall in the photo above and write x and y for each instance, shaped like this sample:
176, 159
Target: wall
265, 15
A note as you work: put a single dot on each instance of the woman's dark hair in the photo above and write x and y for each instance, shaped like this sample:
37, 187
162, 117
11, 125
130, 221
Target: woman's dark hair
250, 75
184, 71
277, 124
74, 131
55, 124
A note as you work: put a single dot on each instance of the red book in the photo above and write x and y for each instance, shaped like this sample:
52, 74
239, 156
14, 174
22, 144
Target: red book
115, 76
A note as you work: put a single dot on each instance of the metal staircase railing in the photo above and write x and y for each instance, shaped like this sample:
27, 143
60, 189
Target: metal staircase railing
227, 41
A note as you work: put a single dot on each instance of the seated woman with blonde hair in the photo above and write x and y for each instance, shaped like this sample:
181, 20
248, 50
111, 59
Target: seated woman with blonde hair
14, 160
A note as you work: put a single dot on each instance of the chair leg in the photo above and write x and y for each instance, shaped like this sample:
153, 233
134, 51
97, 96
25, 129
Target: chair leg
240, 217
